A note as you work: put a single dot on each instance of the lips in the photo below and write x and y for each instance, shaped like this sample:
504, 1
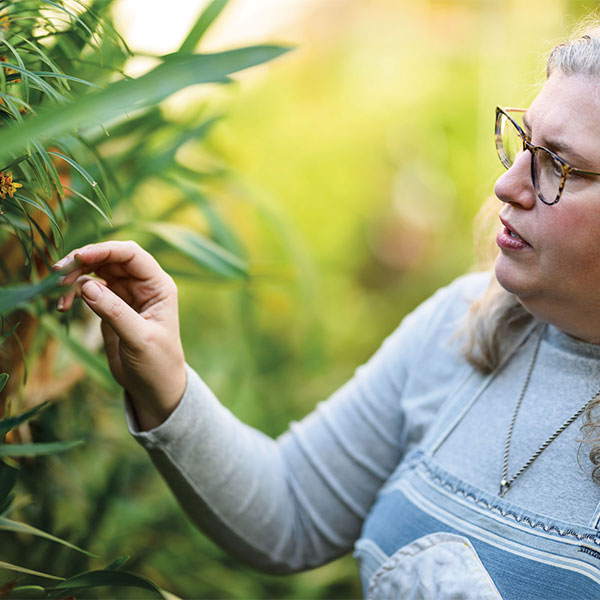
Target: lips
510, 239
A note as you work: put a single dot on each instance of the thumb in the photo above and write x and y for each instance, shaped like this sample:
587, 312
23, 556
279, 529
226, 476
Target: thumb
127, 323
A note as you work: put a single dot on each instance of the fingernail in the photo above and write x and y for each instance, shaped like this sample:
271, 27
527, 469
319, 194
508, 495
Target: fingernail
91, 290
61, 303
59, 264
61, 280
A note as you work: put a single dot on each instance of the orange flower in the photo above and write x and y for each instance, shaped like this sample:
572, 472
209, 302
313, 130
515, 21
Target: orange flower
7, 185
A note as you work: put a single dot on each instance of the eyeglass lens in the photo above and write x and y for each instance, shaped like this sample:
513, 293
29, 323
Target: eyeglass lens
547, 171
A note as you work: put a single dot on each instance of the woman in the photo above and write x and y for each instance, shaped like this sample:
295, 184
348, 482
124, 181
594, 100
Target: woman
454, 470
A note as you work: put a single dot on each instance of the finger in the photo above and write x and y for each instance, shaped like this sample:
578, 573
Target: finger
68, 263
127, 323
111, 339
135, 261
65, 302
111, 347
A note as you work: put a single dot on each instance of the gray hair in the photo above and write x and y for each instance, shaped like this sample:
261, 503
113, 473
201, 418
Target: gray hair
580, 54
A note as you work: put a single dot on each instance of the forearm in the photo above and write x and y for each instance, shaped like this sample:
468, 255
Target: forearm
299, 501
235, 484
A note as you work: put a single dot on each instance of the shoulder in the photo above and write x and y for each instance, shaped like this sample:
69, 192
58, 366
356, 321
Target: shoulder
430, 336
442, 314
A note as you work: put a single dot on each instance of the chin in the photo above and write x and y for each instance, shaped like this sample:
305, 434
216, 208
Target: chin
512, 279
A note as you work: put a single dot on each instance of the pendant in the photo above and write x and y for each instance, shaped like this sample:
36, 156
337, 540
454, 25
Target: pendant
504, 485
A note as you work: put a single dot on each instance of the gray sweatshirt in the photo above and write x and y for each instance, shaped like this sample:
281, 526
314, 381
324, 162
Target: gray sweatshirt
299, 501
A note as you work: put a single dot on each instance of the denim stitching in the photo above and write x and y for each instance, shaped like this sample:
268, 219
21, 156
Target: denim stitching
510, 514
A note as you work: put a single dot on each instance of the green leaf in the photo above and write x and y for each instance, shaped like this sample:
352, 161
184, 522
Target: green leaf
54, 177
28, 591
70, 13
88, 178
116, 564
8, 477
38, 449
89, 201
5, 504
220, 231
22, 65
3, 380
174, 74
41, 85
95, 366
13, 296
105, 577
199, 248
18, 527
10, 567
204, 21
7, 424
39, 206
55, 75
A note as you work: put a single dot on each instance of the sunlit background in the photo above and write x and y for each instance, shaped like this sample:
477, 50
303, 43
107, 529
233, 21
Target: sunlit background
369, 146
356, 165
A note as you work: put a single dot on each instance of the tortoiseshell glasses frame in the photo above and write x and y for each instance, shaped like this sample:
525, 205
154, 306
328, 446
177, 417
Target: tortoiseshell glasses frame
544, 162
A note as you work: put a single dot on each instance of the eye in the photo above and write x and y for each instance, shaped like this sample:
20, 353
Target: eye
549, 164
556, 167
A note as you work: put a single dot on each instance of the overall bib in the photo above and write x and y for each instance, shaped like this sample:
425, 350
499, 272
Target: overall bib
430, 535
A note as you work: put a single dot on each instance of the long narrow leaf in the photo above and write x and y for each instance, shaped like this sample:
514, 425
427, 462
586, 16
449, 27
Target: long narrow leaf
40, 83
10, 422
37, 449
204, 21
24, 78
39, 206
3, 380
8, 477
3, 338
40, 53
88, 201
11, 567
18, 295
27, 592
169, 77
71, 14
116, 564
95, 366
88, 178
18, 527
64, 77
106, 578
199, 248
220, 231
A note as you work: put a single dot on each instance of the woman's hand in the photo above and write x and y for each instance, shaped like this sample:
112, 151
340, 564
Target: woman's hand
137, 302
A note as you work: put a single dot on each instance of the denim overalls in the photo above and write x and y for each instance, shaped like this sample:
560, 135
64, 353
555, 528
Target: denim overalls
430, 535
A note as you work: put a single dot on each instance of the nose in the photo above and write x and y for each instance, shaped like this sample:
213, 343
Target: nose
515, 185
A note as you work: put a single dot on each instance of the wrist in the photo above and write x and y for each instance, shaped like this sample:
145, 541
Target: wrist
153, 407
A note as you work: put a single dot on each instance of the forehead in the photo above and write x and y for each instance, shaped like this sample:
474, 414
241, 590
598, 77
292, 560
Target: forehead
567, 108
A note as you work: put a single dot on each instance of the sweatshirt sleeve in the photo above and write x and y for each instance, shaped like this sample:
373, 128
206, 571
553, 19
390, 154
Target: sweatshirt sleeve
299, 501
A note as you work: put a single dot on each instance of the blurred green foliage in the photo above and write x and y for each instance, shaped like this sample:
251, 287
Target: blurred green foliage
349, 175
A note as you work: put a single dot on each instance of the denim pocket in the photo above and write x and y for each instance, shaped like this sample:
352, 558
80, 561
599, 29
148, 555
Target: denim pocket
438, 566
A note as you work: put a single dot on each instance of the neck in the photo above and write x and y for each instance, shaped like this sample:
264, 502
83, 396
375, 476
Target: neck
577, 321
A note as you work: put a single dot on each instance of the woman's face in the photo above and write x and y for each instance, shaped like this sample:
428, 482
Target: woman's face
554, 268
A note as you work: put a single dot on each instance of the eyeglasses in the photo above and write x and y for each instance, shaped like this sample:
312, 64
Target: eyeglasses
549, 171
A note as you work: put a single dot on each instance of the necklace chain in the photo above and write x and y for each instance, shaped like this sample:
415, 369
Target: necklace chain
506, 483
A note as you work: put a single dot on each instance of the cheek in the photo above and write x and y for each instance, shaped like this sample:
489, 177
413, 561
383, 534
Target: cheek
572, 239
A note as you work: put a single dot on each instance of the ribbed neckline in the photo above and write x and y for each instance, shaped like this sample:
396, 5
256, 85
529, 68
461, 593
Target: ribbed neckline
567, 343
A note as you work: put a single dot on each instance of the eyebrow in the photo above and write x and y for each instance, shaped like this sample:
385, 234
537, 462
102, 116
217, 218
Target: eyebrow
559, 147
